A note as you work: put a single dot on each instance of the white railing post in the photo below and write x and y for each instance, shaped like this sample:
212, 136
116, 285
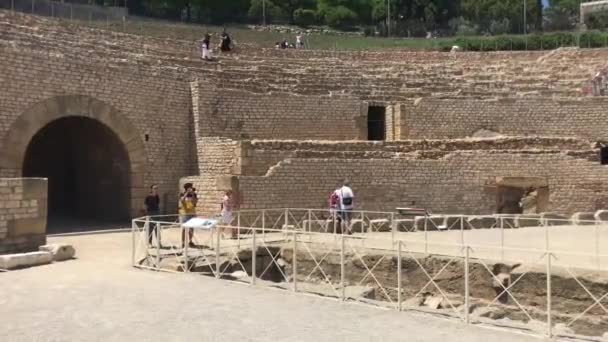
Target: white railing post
286, 219
309, 222
156, 231
467, 303
502, 239
263, 221
186, 243
393, 229
546, 235
426, 238
295, 262
461, 232
399, 271
597, 246
549, 328
217, 254
254, 253
342, 270
238, 229
133, 229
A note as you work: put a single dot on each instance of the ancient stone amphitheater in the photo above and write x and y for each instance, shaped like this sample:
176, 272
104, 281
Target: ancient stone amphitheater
104, 115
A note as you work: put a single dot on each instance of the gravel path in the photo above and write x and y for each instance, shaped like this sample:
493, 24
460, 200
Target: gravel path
99, 297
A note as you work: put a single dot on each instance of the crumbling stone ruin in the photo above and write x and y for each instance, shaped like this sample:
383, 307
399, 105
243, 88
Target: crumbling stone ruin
452, 133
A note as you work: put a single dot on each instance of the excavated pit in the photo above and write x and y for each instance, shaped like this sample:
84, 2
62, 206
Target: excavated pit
529, 289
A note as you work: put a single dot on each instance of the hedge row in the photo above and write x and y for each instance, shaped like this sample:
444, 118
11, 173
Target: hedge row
547, 41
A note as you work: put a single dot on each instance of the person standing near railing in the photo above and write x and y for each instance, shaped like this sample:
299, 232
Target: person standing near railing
227, 207
346, 202
206, 48
187, 210
152, 206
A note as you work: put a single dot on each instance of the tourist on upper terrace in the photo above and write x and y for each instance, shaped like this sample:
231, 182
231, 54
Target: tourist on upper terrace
299, 41
187, 210
206, 48
152, 206
346, 204
226, 208
225, 42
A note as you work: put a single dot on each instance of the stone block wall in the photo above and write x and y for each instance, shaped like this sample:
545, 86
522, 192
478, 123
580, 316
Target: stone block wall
459, 118
446, 182
148, 109
23, 214
239, 114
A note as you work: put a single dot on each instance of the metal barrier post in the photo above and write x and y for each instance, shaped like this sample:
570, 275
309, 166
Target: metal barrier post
342, 270
295, 262
549, 328
13, 5
309, 221
426, 239
263, 221
393, 229
461, 232
52, 10
546, 235
71, 12
217, 254
186, 243
238, 229
502, 239
597, 246
156, 230
33, 1
254, 253
133, 225
467, 304
399, 268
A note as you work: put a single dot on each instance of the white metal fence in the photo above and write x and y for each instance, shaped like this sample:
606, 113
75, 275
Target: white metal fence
547, 289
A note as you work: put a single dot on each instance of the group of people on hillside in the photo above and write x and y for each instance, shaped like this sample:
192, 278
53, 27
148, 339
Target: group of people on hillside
285, 44
187, 202
207, 50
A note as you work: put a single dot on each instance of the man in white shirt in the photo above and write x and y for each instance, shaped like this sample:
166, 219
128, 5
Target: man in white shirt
346, 199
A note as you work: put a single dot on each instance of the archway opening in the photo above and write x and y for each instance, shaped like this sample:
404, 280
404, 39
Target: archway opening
88, 173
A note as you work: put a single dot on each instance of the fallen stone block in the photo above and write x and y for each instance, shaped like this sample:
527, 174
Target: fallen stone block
59, 251
13, 261
486, 222
601, 215
405, 225
583, 218
554, 219
528, 220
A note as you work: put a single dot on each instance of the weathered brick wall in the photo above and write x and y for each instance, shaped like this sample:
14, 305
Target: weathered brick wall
243, 115
448, 182
23, 211
156, 103
217, 158
459, 118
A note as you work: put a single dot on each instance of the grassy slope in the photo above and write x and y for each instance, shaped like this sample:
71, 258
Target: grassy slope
243, 34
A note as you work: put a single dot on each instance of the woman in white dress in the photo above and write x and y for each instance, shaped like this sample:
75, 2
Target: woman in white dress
226, 213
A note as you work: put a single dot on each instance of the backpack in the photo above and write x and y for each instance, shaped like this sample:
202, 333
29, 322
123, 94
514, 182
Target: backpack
346, 200
333, 199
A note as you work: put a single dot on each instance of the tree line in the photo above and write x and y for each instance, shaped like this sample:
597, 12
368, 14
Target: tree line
406, 18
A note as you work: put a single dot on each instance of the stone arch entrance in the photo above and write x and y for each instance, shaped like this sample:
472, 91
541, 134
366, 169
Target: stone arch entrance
93, 156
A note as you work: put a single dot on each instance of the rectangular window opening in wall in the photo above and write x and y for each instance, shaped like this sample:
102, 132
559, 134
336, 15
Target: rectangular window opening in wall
376, 117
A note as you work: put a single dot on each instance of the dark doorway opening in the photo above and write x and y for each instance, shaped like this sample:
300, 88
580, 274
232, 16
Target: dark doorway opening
376, 128
604, 155
88, 173
509, 199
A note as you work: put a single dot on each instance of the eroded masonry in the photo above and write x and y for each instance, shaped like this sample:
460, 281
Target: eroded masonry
455, 133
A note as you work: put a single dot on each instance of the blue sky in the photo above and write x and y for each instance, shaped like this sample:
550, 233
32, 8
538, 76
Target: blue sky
545, 3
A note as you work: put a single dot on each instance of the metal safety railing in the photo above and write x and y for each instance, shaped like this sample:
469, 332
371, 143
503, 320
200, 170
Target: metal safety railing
541, 289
